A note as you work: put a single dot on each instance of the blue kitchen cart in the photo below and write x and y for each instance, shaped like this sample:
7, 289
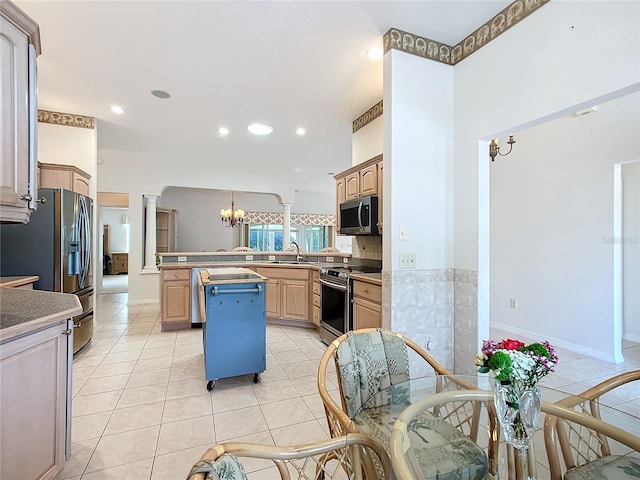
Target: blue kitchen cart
234, 333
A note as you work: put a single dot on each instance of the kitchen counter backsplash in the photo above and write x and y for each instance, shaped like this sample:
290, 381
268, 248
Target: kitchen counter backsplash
206, 257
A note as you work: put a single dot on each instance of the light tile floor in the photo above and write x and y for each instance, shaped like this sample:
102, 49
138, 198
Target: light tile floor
141, 410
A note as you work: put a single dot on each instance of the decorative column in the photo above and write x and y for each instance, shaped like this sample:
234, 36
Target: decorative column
150, 234
286, 225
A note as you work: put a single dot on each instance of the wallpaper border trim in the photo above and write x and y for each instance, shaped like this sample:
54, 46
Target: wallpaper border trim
66, 119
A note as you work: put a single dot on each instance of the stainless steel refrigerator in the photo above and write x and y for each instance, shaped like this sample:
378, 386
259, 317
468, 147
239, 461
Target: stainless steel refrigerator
56, 246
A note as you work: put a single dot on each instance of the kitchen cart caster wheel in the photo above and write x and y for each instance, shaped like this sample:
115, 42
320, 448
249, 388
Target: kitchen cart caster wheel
211, 384
256, 378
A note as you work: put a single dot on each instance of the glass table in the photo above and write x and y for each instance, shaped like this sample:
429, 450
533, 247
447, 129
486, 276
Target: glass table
445, 427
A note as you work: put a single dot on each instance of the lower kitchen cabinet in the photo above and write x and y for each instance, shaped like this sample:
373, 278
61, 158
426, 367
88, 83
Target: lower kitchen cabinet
176, 299
367, 305
273, 298
287, 294
33, 395
315, 298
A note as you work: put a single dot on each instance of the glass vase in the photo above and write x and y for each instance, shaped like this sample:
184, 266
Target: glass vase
518, 410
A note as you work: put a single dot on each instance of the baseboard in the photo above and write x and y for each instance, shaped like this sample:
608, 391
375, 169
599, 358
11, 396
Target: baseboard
140, 302
631, 338
557, 343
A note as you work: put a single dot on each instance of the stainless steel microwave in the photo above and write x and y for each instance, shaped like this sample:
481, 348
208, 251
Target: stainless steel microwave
359, 216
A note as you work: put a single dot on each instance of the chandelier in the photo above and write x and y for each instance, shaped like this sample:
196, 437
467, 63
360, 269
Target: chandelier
494, 149
231, 217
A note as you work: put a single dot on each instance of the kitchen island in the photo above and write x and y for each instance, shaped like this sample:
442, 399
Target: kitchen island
235, 323
35, 381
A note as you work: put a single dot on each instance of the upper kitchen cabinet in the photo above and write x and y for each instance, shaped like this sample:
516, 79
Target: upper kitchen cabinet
64, 176
360, 181
19, 47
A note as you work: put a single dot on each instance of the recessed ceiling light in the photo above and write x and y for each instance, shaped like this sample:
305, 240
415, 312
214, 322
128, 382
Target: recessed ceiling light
160, 93
223, 131
260, 128
301, 131
117, 109
374, 53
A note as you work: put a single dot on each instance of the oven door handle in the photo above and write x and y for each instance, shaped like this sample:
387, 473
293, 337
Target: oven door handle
337, 286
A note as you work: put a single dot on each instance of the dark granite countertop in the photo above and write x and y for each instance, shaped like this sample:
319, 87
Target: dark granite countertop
24, 310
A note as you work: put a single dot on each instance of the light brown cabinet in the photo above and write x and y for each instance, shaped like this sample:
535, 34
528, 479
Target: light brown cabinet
315, 298
119, 263
176, 298
367, 305
166, 230
288, 294
69, 177
20, 44
359, 181
34, 382
341, 197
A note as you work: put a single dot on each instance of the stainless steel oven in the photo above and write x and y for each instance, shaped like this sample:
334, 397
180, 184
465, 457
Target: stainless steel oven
335, 304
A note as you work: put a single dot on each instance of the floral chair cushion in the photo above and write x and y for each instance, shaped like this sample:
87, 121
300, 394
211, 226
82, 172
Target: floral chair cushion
368, 363
438, 449
226, 467
606, 468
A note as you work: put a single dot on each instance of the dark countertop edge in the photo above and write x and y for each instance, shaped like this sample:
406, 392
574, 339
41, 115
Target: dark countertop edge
247, 263
25, 311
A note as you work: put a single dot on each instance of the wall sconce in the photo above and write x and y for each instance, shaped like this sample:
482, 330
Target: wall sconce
494, 149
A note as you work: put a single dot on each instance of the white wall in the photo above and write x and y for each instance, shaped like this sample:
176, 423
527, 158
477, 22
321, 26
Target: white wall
631, 251
199, 226
65, 145
552, 223
367, 142
418, 150
118, 232
558, 60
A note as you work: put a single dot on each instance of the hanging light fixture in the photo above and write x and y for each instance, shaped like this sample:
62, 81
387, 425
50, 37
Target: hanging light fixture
232, 217
494, 149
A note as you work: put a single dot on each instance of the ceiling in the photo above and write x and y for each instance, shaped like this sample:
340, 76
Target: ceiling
228, 63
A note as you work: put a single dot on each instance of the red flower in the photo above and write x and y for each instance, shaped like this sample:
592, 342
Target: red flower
510, 344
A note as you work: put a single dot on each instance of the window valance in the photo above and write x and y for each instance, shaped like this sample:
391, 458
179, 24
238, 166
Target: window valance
277, 218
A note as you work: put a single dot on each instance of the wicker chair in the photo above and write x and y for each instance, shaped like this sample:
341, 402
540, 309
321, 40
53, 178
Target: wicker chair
242, 249
328, 459
463, 417
586, 451
329, 250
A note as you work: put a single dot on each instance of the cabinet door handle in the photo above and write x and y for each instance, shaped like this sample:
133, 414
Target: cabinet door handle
26, 197
67, 332
42, 200
366, 291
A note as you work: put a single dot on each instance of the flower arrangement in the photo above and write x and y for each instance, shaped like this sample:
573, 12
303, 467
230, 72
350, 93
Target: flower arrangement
514, 363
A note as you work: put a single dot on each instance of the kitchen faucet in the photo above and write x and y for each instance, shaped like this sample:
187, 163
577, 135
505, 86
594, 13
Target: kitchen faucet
298, 256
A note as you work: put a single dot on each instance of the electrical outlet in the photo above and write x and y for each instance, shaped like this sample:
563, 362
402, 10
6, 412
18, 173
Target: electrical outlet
272, 257
182, 259
329, 259
513, 303
345, 260
408, 260
249, 257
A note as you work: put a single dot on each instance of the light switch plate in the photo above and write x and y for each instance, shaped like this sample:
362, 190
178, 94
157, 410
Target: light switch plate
272, 257
329, 259
249, 257
182, 259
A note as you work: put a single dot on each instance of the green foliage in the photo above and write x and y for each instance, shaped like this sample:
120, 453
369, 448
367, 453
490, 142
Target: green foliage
536, 349
500, 363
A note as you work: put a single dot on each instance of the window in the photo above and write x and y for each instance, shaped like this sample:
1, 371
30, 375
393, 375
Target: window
263, 237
